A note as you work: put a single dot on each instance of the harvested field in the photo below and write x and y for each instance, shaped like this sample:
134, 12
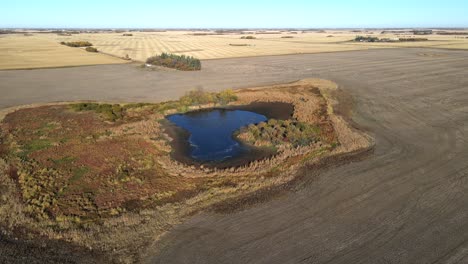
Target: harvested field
20, 52
142, 45
404, 203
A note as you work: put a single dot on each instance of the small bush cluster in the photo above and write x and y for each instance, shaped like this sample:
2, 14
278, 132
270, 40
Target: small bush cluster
111, 112
280, 132
287, 37
77, 44
180, 62
248, 37
201, 97
91, 49
127, 35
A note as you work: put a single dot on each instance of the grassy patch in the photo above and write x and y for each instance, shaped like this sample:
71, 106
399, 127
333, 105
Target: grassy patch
46, 128
111, 112
64, 160
35, 145
78, 173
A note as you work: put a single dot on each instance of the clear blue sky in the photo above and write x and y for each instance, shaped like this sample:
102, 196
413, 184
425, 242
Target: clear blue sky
231, 14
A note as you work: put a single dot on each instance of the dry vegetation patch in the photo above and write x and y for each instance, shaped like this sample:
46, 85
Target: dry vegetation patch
101, 176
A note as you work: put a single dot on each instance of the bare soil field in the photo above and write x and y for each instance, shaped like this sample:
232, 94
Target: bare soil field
403, 203
43, 51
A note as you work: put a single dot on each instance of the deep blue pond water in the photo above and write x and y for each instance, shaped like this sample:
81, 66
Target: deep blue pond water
211, 132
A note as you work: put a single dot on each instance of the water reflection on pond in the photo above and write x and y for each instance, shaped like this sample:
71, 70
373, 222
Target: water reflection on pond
211, 132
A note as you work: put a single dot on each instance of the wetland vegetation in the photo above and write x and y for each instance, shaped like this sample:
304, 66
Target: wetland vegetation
80, 172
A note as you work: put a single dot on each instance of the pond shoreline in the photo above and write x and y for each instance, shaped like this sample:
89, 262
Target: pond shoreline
181, 146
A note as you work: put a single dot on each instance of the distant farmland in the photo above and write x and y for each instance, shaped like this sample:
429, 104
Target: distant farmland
24, 52
43, 49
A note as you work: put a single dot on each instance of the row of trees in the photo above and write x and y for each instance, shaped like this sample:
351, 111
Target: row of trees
77, 44
375, 39
412, 39
366, 39
179, 62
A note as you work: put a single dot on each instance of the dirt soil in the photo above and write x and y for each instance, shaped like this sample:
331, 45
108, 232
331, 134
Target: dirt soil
406, 203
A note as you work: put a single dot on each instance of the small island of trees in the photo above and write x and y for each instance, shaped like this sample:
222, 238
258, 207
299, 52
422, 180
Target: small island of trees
179, 62
77, 44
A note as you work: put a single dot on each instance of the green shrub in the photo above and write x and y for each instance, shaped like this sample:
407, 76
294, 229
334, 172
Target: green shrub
225, 97
197, 97
248, 37
180, 62
201, 97
91, 49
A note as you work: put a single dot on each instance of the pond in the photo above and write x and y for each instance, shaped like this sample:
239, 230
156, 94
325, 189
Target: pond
205, 137
211, 132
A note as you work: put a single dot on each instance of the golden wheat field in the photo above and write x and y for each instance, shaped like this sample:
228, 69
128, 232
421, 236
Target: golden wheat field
43, 49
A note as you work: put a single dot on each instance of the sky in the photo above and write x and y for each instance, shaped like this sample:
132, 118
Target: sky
233, 14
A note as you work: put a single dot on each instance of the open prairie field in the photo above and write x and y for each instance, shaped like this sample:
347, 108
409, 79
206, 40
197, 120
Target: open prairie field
26, 52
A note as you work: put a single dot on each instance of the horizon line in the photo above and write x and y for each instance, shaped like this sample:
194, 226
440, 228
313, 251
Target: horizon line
237, 28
